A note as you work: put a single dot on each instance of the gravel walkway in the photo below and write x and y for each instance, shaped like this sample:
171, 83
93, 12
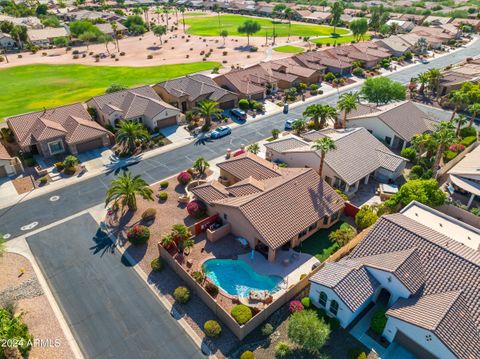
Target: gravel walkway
28, 289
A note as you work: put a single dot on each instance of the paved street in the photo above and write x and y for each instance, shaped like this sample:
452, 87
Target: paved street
40, 211
112, 312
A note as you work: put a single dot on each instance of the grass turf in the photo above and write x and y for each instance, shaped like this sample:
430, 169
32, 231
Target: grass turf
319, 245
209, 26
289, 49
338, 40
33, 87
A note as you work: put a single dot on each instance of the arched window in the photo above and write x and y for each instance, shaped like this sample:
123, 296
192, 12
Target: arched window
323, 299
334, 307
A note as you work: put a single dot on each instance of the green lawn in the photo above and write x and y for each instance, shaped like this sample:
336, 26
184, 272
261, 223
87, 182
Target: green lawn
33, 87
208, 26
337, 40
319, 245
289, 49
195, 13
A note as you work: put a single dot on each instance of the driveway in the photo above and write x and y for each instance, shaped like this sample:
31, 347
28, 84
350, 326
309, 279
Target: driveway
111, 311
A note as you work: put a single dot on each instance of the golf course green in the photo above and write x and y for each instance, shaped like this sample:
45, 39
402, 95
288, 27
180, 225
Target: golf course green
289, 49
212, 25
33, 87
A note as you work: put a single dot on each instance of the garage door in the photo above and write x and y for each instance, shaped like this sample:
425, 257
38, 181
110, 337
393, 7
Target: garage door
90, 145
412, 346
3, 171
227, 104
169, 121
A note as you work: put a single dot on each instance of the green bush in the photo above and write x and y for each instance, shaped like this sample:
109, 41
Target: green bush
467, 141
44, 180
449, 155
243, 104
379, 321
156, 265
357, 71
408, 55
13, 327
468, 132
409, 153
59, 166
181, 294
306, 302
416, 171
163, 184
282, 349
138, 234
267, 329
149, 214
365, 217
198, 276
247, 355
329, 77
163, 196
356, 353
212, 328
241, 313
211, 289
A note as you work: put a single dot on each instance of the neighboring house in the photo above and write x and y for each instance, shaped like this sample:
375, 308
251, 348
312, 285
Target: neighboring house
91, 16
437, 20
394, 124
475, 23
437, 36
107, 28
346, 167
424, 267
397, 45
321, 61
454, 78
416, 19
9, 166
403, 26
65, 129
186, 92
140, 104
289, 66
6, 41
271, 207
45, 37
465, 176
30, 22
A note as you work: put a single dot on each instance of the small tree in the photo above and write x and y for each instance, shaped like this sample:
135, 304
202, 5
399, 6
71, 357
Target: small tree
87, 37
249, 28
343, 235
125, 189
365, 217
60, 41
420, 190
224, 34
201, 165
159, 30
382, 90
308, 331
254, 148
275, 133
299, 126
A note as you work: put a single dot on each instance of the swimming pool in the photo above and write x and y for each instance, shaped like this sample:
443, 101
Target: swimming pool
237, 278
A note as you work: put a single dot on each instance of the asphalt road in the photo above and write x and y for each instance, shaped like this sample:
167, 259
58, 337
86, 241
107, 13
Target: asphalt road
111, 312
40, 211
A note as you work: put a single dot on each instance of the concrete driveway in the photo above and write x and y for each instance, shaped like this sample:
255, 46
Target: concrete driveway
111, 311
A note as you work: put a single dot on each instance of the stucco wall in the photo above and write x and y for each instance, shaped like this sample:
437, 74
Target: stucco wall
344, 315
378, 128
390, 283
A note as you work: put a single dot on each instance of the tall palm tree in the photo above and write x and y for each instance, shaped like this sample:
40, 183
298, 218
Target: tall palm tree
347, 103
166, 10
423, 80
423, 143
320, 114
457, 98
434, 78
182, 11
323, 145
288, 14
125, 189
129, 133
474, 109
460, 120
443, 136
115, 34
207, 109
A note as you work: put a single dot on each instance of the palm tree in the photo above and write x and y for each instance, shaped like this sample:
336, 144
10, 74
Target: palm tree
115, 35
254, 148
182, 11
457, 98
443, 136
434, 78
129, 133
166, 10
201, 165
423, 79
460, 120
320, 114
412, 86
207, 109
423, 143
474, 109
323, 145
288, 14
299, 126
347, 103
125, 189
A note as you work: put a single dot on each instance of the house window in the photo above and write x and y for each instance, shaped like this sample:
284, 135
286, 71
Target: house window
224, 216
325, 220
388, 139
312, 227
335, 216
334, 307
56, 147
302, 233
322, 299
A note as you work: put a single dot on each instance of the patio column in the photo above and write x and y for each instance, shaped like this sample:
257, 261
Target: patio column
404, 145
347, 188
470, 201
366, 179
357, 184
271, 254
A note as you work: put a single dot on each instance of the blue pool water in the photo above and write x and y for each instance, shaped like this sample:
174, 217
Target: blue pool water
237, 278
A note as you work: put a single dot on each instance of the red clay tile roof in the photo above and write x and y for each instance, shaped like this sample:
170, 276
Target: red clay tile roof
4, 155
249, 165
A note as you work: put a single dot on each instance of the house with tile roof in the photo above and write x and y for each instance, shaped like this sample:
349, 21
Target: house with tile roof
140, 104
454, 78
269, 206
186, 92
346, 167
437, 36
6, 41
45, 37
9, 165
394, 124
397, 45
64, 129
424, 267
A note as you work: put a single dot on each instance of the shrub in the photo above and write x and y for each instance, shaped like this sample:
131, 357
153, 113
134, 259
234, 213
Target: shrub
357, 71
212, 328
407, 55
196, 209
306, 302
267, 330
307, 330
163, 184
243, 104
409, 153
365, 217
163, 196
138, 234
70, 161
449, 155
184, 178
378, 321
343, 235
357, 353
44, 180
241, 313
122, 53
149, 214
247, 355
69, 170
181, 294
329, 77
295, 306
468, 132
198, 276
416, 171
59, 166
282, 349
456, 147
150, 57
467, 141
156, 265
211, 289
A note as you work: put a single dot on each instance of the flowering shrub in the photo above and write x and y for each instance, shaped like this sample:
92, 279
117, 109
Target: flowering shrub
196, 209
184, 177
295, 306
138, 234
456, 147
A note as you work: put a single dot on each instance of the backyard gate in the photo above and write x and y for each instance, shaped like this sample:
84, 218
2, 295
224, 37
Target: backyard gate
202, 226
